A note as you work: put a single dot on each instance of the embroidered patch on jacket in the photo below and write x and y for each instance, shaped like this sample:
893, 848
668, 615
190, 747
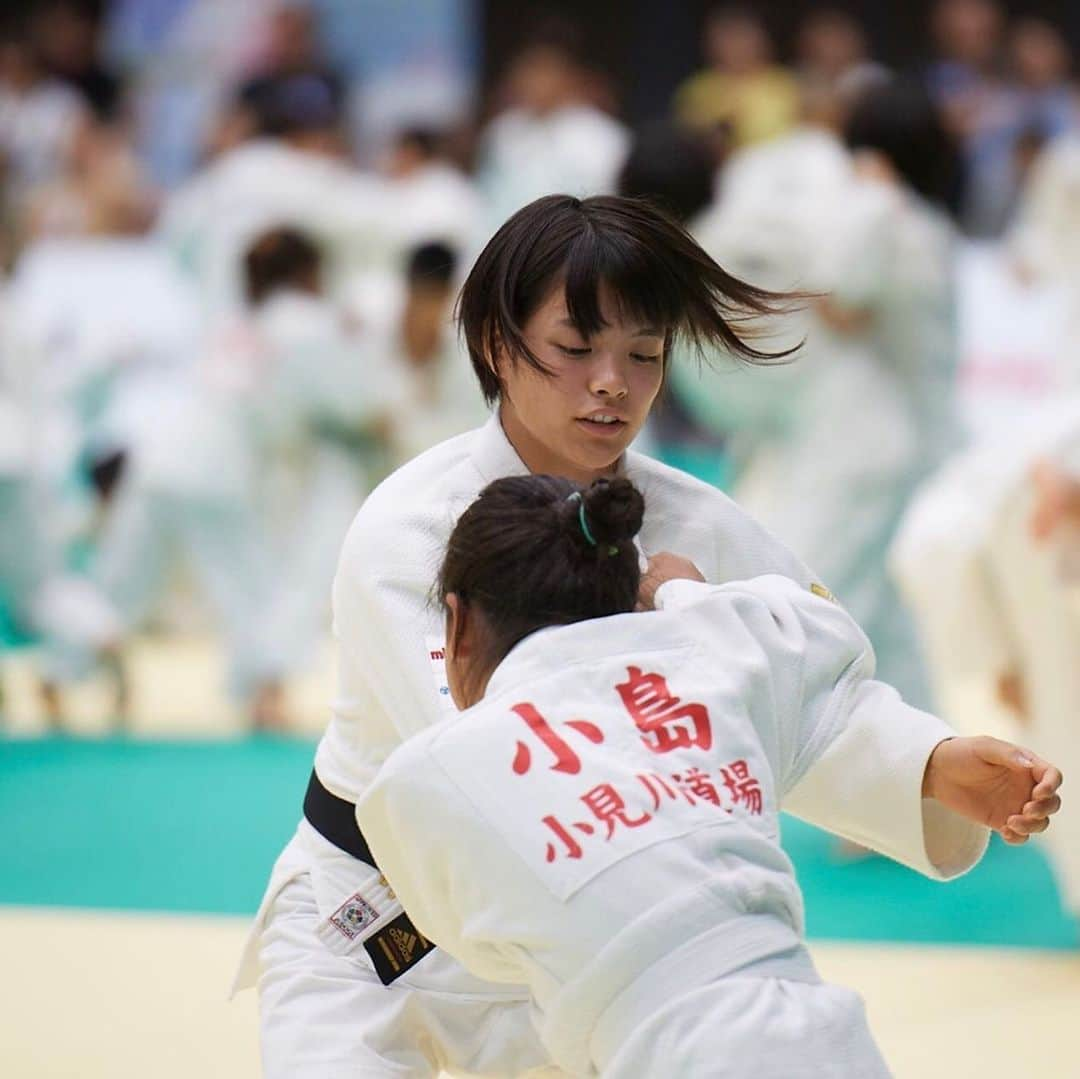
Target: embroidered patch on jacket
436, 651
353, 916
397, 947
823, 592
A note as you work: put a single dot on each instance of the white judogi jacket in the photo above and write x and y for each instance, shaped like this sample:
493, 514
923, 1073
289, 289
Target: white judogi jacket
391, 681
614, 798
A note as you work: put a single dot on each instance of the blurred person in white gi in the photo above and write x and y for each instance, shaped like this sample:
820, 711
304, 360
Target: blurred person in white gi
780, 207
987, 558
742, 88
100, 186
89, 365
850, 432
437, 202
985, 555
440, 397
291, 171
325, 406
207, 475
549, 137
39, 443
891, 316
601, 820
570, 314
27, 554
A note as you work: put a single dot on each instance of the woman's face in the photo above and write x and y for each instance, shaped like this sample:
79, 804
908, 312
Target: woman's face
578, 421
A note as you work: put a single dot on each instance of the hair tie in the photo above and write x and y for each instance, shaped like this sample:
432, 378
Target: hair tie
585, 530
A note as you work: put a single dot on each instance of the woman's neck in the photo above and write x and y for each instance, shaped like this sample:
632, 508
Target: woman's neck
541, 459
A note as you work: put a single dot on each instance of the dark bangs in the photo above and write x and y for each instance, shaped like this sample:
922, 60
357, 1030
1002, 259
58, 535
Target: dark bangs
633, 277
655, 271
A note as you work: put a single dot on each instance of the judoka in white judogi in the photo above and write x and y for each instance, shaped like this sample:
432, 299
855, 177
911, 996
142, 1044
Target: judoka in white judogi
992, 602
322, 1004
603, 826
847, 432
210, 221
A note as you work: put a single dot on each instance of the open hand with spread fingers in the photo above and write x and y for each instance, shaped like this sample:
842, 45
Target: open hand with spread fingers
1007, 788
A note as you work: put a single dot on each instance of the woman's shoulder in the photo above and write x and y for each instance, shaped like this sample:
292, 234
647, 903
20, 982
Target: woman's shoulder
664, 485
433, 476
418, 501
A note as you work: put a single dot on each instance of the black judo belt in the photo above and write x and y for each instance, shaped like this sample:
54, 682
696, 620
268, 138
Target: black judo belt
399, 945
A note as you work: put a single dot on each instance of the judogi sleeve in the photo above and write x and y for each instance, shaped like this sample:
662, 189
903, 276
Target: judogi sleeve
851, 754
390, 557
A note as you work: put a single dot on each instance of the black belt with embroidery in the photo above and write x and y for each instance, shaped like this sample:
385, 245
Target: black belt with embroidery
399, 945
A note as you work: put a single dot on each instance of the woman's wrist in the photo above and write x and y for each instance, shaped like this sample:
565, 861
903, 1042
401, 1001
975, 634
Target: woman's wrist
933, 770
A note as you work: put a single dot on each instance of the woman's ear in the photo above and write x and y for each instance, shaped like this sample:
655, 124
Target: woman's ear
459, 652
457, 617
495, 354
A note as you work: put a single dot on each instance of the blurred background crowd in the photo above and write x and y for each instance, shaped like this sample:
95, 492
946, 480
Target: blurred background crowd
232, 233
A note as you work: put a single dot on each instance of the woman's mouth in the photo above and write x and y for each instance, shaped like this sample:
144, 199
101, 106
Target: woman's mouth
602, 424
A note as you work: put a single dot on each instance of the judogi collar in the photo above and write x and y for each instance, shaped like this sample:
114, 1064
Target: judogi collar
495, 457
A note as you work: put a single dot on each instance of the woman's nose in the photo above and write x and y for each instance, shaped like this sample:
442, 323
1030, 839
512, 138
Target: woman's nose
608, 381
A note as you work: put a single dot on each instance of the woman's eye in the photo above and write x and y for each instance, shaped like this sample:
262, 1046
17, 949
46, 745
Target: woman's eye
573, 351
641, 357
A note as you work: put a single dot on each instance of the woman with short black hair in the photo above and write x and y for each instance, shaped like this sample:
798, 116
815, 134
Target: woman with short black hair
569, 315
600, 822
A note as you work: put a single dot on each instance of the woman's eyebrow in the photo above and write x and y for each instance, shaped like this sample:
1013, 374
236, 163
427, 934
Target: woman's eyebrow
644, 331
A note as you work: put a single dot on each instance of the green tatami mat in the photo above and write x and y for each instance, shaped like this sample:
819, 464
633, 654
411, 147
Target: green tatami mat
140, 825
195, 827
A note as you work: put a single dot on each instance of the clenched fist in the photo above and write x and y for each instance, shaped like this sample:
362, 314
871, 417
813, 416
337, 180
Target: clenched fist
662, 567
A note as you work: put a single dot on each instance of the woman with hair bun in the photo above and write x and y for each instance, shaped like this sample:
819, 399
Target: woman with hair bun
601, 821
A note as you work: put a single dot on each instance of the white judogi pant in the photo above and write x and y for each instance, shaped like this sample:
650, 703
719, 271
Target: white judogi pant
219, 536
